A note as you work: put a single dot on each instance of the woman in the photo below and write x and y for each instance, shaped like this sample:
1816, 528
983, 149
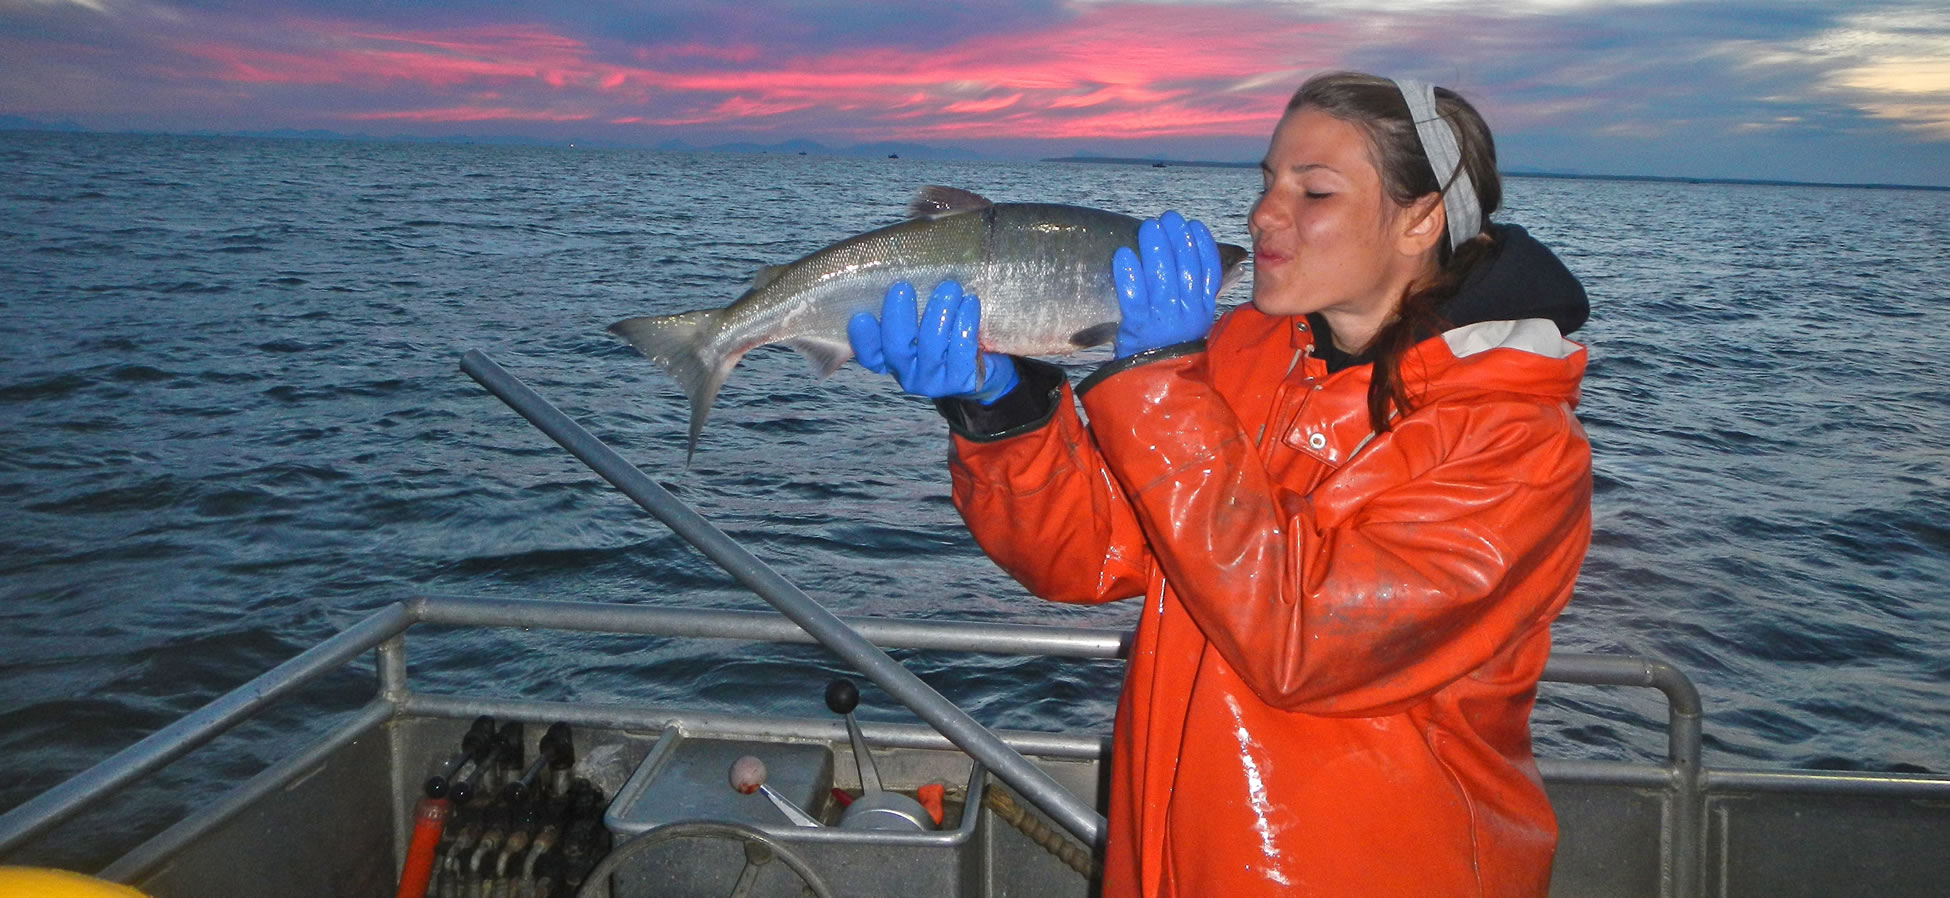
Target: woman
1352, 509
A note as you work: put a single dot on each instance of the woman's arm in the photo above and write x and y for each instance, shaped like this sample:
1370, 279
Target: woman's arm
1026, 477
1041, 503
1470, 525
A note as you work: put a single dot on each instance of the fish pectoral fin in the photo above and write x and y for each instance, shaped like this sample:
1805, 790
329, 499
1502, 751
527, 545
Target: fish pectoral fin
935, 201
826, 356
1094, 335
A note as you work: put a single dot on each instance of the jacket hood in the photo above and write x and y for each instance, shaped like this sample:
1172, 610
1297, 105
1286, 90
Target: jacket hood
1543, 364
1504, 304
1521, 279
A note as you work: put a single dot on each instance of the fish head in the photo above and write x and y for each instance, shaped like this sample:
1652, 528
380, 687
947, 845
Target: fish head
1232, 261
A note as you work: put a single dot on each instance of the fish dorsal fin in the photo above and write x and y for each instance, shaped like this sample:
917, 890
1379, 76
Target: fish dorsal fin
935, 201
766, 275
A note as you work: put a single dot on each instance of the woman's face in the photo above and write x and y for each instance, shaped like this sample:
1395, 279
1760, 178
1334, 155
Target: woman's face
1325, 237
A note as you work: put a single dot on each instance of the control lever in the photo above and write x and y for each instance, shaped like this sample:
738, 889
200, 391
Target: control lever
877, 808
473, 747
748, 776
554, 747
503, 748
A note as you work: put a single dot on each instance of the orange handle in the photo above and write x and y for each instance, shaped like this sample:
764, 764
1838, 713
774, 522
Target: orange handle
429, 819
930, 796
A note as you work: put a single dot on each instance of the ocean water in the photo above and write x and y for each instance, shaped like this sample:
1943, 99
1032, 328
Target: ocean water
232, 423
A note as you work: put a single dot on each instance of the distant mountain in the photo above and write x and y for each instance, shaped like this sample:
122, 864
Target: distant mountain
285, 134
1154, 161
912, 151
815, 148
19, 123
1515, 173
787, 147
1682, 179
784, 147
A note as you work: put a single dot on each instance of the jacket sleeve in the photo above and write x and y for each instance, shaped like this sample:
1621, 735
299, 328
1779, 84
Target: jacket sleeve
1041, 503
1469, 521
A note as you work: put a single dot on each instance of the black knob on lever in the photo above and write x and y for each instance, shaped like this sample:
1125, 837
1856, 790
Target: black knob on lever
842, 696
503, 748
556, 751
558, 746
876, 808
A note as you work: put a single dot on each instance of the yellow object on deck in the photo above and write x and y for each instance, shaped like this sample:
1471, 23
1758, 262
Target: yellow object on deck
37, 882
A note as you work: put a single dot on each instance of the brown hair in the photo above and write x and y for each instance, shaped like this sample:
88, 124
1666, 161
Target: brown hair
1375, 105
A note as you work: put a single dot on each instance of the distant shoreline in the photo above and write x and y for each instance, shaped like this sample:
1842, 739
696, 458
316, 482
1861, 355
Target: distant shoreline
876, 150
1564, 176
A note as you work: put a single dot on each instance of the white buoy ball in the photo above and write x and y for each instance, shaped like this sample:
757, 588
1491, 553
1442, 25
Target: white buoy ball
747, 774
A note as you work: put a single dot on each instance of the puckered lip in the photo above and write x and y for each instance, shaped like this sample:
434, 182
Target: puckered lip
1264, 257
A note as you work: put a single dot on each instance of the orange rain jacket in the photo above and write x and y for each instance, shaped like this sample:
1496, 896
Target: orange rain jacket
1331, 680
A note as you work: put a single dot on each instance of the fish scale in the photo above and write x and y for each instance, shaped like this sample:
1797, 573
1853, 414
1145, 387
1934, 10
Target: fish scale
1042, 271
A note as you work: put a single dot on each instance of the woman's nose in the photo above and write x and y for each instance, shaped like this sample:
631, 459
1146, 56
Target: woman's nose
1265, 215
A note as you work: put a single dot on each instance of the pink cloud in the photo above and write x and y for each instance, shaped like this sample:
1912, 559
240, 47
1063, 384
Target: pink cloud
990, 104
1110, 71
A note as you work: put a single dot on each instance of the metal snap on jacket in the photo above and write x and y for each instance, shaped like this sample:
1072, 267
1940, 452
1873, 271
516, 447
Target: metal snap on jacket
1317, 441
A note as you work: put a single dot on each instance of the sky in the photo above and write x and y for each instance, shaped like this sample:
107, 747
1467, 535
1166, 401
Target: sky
1845, 92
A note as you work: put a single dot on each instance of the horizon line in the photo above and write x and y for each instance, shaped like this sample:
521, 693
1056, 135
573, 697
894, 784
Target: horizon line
23, 124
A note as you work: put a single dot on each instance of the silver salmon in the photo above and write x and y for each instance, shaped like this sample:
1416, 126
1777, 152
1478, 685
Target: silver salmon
1042, 271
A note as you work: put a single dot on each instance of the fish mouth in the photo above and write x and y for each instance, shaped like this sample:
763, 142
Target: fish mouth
1232, 260
1231, 277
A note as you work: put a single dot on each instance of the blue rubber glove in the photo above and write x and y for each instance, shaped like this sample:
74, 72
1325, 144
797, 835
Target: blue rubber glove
936, 356
1168, 295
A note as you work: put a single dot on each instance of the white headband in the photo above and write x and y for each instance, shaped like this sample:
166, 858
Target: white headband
1459, 202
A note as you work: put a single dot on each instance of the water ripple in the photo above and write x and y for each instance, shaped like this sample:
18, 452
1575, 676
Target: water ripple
235, 424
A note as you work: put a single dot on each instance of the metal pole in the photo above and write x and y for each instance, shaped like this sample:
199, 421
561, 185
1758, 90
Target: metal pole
767, 626
391, 665
1028, 779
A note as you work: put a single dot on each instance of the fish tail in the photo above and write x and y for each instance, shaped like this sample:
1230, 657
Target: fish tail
687, 347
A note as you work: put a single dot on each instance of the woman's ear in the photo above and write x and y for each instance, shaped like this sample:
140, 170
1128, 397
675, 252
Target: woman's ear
1423, 223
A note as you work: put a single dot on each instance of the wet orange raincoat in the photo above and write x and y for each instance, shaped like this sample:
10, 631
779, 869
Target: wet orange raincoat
1330, 685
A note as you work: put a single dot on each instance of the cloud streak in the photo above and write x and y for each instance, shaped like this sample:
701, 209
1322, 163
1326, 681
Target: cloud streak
1107, 72
1121, 73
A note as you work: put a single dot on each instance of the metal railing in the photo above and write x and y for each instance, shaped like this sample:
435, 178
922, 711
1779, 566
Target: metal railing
383, 633
1682, 780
